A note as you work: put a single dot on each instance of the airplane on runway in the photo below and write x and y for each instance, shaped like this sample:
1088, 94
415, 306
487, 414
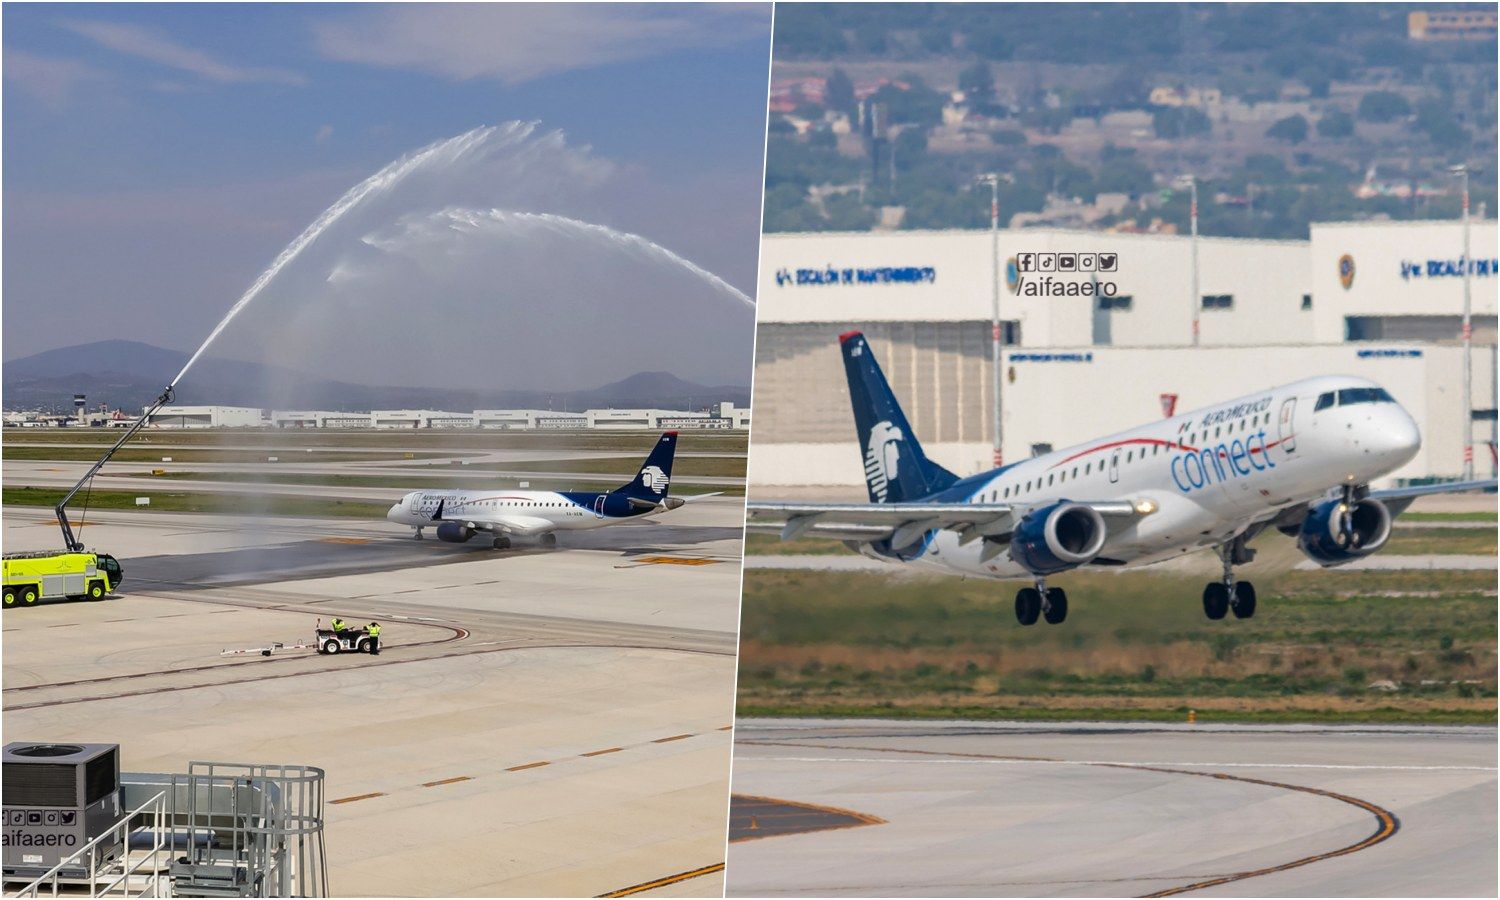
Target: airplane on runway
458, 515
1298, 458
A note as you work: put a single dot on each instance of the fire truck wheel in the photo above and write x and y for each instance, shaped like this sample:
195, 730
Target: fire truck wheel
28, 595
10, 597
96, 591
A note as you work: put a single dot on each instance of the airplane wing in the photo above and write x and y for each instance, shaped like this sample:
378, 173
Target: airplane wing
1398, 499
905, 523
525, 526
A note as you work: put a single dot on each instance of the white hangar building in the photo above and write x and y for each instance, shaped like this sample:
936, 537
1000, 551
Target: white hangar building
1097, 356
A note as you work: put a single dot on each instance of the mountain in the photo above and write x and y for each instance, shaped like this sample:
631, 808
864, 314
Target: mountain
130, 374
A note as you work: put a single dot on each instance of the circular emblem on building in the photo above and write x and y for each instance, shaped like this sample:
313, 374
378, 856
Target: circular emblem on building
1346, 270
1012, 274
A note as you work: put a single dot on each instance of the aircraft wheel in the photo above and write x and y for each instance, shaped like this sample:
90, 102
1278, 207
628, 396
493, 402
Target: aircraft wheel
1056, 609
1215, 600
1028, 605
1243, 603
419, 534
10, 598
549, 540
502, 543
28, 596
332, 646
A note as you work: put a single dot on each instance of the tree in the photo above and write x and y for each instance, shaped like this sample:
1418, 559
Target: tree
910, 144
915, 104
1383, 106
1292, 129
1179, 121
839, 93
1336, 124
978, 83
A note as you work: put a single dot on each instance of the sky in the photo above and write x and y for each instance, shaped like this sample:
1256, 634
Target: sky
158, 157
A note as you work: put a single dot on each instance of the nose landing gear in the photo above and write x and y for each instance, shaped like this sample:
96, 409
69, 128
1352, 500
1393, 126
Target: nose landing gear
1228, 595
1041, 602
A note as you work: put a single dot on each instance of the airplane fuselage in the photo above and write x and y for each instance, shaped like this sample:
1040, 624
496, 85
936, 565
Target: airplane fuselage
522, 512
1209, 474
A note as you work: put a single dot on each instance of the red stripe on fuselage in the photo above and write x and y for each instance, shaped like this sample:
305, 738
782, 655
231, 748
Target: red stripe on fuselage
1148, 442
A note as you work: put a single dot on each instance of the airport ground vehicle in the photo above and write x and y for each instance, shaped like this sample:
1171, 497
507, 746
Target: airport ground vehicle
350, 640
44, 575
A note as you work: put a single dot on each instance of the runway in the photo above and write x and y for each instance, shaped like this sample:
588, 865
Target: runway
539, 722
1083, 809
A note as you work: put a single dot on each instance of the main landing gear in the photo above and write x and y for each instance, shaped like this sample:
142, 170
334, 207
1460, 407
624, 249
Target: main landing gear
1220, 597
1041, 602
501, 542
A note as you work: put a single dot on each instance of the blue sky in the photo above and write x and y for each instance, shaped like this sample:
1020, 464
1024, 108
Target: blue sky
156, 157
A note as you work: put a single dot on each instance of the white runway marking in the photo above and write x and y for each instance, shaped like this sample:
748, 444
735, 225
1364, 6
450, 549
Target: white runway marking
1110, 762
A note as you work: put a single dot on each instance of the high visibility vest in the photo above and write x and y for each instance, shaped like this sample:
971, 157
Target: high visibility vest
374, 631
338, 624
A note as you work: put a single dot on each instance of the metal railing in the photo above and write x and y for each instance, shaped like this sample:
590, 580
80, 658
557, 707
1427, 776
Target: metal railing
154, 814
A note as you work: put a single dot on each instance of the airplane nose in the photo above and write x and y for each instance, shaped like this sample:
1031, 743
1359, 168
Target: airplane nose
1399, 439
394, 512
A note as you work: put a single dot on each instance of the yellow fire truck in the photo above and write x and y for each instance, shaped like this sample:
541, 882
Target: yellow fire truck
30, 577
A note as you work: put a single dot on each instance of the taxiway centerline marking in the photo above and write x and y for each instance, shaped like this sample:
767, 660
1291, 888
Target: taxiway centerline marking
1116, 762
663, 882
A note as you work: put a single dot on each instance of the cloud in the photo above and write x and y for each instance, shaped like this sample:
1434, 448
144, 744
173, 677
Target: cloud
516, 42
144, 43
325, 132
52, 80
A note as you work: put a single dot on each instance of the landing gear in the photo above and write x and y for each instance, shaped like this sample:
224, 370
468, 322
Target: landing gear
1220, 597
1041, 602
1028, 605
1055, 607
419, 534
501, 542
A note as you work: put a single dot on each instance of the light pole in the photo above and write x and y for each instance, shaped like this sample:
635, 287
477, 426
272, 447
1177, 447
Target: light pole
1467, 335
993, 180
1193, 227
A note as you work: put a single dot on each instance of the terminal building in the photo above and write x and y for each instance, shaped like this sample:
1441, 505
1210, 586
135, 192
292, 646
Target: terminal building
1087, 353
720, 416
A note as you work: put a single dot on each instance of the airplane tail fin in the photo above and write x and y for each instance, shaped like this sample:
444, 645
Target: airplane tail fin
896, 469
651, 482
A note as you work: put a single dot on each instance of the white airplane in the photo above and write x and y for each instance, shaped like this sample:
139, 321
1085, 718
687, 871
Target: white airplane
1297, 457
458, 515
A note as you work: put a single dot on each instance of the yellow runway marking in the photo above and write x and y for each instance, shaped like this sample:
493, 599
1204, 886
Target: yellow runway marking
602, 752
344, 540
674, 561
663, 882
358, 797
529, 766
447, 781
675, 737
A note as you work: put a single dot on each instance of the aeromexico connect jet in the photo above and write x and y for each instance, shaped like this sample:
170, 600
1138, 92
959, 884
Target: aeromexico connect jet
458, 515
1298, 458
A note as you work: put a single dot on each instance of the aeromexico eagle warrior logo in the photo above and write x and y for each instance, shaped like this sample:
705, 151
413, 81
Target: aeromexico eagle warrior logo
654, 479
882, 458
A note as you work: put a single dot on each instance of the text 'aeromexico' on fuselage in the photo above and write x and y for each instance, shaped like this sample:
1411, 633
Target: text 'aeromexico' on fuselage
458, 515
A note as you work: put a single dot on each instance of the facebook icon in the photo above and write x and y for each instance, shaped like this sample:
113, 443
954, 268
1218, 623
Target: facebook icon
1025, 261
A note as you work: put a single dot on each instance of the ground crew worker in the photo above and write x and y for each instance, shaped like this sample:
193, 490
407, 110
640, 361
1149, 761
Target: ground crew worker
337, 625
374, 631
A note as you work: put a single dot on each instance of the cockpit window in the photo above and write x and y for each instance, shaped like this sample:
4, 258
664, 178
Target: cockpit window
1324, 401
1350, 396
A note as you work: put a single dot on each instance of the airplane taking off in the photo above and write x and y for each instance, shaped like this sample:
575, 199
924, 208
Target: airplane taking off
459, 515
1297, 457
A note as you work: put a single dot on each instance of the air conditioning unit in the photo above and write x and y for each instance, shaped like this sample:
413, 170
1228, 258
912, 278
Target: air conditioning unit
57, 798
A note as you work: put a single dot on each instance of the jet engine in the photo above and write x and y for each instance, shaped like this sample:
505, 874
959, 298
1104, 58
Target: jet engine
1334, 534
454, 532
1055, 538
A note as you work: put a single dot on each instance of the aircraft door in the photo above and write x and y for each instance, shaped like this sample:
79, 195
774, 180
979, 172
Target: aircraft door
1114, 466
1286, 431
599, 506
